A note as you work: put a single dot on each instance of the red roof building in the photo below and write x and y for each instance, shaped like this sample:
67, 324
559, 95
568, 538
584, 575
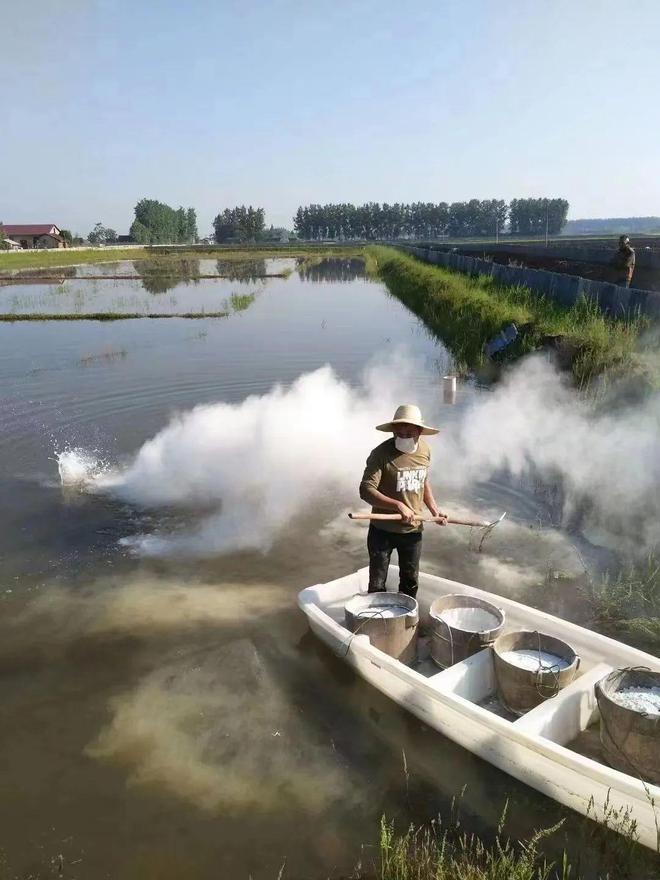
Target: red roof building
34, 235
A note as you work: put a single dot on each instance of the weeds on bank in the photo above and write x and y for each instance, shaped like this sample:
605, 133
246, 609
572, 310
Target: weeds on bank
466, 312
429, 853
627, 606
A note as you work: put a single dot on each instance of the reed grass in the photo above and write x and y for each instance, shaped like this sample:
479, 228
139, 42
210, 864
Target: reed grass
444, 851
627, 605
431, 853
466, 312
240, 302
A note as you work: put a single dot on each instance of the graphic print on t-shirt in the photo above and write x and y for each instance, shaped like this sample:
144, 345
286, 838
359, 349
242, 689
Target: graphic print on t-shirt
410, 480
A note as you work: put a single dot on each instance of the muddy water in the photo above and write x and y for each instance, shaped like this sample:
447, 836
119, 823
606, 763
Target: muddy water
169, 717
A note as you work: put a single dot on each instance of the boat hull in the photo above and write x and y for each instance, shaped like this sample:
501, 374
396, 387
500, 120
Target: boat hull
527, 748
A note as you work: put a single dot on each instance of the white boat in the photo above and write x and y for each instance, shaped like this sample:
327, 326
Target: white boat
541, 747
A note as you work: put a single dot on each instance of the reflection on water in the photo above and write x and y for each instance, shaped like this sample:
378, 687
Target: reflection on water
159, 278
28, 276
335, 269
195, 286
243, 270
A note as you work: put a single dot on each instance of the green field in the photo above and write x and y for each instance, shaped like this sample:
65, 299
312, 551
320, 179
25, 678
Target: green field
36, 259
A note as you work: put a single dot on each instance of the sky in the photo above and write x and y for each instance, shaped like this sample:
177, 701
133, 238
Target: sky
276, 103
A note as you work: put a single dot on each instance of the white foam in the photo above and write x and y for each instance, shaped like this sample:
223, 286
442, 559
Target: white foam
531, 659
78, 467
470, 619
639, 699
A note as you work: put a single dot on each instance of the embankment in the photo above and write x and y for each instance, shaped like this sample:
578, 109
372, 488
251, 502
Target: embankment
566, 289
467, 311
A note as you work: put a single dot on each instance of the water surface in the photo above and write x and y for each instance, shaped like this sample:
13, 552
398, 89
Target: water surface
170, 717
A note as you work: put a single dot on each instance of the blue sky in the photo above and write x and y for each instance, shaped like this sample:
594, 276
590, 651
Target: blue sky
282, 103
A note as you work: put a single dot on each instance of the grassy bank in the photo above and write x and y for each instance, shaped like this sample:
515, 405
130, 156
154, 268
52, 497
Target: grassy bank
35, 259
467, 312
627, 606
447, 852
431, 854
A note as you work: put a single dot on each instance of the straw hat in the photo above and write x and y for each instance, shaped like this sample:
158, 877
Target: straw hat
407, 414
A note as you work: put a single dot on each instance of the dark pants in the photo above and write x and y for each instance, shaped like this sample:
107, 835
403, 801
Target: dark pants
380, 545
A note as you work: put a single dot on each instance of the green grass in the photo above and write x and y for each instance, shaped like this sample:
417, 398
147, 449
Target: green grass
466, 312
627, 606
432, 854
11, 260
445, 851
239, 302
35, 258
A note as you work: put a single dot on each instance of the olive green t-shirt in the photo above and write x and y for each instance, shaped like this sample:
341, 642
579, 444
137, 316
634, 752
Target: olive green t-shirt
399, 475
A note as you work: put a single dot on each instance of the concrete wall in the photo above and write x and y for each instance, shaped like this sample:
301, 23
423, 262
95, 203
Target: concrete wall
565, 289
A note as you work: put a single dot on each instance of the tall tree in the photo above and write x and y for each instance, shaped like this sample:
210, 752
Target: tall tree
158, 223
239, 224
191, 220
485, 218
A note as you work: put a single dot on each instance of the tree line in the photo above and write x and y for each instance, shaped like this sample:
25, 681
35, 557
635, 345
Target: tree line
430, 220
239, 224
536, 216
158, 223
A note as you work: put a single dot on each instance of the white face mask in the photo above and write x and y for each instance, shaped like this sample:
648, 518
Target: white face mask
405, 444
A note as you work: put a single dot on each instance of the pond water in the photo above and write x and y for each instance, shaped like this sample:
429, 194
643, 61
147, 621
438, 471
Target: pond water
142, 287
166, 712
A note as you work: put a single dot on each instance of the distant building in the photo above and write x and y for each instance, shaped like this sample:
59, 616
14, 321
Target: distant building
125, 239
35, 235
10, 245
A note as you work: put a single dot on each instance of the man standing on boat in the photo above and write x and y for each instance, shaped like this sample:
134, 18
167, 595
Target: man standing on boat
395, 480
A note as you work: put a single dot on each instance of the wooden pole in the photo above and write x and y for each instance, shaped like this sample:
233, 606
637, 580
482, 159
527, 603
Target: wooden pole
479, 524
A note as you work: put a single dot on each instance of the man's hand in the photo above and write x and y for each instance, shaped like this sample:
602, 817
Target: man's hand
407, 515
439, 513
